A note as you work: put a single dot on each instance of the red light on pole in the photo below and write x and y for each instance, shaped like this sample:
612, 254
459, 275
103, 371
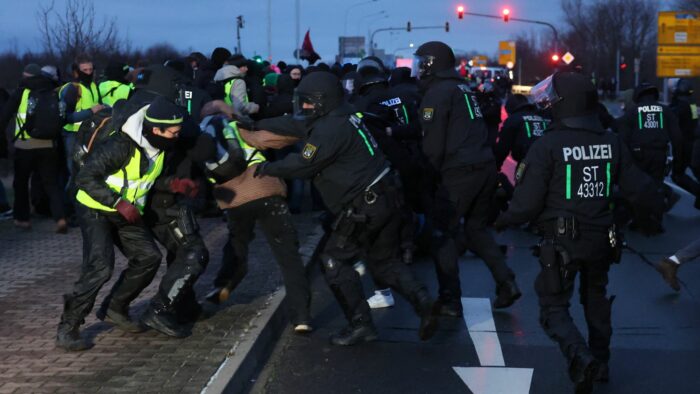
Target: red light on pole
506, 15
460, 12
555, 58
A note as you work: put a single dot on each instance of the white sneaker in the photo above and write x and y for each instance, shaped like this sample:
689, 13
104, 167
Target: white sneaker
381, 299
360, 268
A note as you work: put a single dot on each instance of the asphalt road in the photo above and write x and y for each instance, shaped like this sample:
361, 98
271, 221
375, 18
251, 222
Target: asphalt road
655, 345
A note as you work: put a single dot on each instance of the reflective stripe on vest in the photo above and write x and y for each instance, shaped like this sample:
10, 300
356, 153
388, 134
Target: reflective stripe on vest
113, 91
87, 99
227, 89
134, 188
252, 155
22, 116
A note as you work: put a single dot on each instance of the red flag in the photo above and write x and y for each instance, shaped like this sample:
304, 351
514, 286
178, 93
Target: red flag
307, 50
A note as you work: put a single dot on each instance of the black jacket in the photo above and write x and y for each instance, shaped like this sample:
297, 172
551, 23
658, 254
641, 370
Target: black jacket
520, 130
572, 173
38, 83
454, 131
342, 158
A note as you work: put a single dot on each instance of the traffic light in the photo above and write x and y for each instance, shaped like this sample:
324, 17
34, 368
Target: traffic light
408, 26
447, 27
555, 58
506, 15
623, 66
460, 12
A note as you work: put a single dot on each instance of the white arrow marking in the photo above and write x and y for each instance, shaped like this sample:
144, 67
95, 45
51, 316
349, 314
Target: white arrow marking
491, 378
496, 380
482, 330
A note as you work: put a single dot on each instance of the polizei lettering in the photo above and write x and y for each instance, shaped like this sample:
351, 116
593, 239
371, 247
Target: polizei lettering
590, 152
650, 108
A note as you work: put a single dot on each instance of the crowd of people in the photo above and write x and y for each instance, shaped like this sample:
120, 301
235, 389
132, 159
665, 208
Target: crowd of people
402, 162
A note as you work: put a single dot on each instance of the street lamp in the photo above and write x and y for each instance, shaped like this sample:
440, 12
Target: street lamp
347, 13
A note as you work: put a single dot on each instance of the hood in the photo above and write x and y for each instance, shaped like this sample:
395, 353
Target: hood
285, 84
39, 82
228, 72
133, 127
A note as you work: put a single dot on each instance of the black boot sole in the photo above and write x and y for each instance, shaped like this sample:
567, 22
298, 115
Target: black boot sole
133, 328
153, 324
365, 338
511, 301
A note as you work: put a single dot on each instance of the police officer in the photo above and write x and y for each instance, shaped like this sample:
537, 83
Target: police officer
456, 144
520, 130
647, 128
684, 106
355, 182
564, 187
113, 186
490, 105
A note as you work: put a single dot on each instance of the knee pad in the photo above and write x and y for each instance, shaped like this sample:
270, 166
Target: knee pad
197, 258
331, 268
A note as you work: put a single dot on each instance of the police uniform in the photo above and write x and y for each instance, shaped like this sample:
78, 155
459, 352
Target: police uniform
647, 129
564, 187
520, 130
455, 142
353, 178
686, 110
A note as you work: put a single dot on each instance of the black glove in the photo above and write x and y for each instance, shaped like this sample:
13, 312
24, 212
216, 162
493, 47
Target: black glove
500, 224
260, 170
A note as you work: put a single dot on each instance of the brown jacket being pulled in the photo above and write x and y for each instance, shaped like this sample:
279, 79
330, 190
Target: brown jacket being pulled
246, 188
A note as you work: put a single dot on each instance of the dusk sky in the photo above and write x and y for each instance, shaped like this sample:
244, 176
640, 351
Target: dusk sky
205, 24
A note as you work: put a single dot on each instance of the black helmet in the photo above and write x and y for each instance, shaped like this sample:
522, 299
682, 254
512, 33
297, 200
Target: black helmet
572, 98
517, 102
116, 71
161, 80
683, 87
645, 89
371, 71
321, 89
432, 58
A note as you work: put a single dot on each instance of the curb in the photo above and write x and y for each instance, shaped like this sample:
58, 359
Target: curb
250, 353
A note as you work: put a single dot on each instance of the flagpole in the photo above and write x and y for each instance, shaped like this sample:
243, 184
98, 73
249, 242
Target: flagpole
269, 30
296, 36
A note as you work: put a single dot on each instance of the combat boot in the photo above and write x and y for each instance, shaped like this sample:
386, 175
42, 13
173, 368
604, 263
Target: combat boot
668, 269
68, 338
426, 309
159, 318
506, 294
583, 371
448, 308
120, 320
359, 330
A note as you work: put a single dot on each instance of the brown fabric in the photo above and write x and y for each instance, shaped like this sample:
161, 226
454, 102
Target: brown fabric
263, 139
245, 188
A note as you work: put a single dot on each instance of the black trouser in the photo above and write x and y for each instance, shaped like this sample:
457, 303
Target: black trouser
653, 163
369, 231
276, 223
681, 164
590, 256
101, 232
187, 258
43, 162
464, 193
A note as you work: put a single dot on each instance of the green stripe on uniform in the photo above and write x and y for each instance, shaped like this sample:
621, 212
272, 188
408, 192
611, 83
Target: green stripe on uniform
640, 120
364, 137
405, 113
662, 120
469, 106
568, 181
527, 127
607, 173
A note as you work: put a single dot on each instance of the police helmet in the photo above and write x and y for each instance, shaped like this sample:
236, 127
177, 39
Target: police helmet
516, 102
432, 58
371, 71
320, 89
572, 98
645, 89
683, 87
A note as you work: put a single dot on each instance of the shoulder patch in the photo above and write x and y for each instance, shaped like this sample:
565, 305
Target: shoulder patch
428, 114
309, 151
520, 172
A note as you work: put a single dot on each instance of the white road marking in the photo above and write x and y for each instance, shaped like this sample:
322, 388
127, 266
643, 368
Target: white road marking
496, 380
482, 330
677, 188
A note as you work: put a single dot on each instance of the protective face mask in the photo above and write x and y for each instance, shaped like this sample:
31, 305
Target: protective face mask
160, 142
85, 79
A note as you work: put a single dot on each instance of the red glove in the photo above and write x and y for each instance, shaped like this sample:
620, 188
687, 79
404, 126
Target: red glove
184, 186
128, 211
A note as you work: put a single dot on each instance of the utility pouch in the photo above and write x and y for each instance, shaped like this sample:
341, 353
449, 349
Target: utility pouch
551, 269
344, 226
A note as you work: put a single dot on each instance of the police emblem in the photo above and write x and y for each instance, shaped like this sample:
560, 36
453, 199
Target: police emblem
309, 151
428, 114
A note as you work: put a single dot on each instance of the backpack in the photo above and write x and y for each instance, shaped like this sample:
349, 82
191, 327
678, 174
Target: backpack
46, 115
92, 131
